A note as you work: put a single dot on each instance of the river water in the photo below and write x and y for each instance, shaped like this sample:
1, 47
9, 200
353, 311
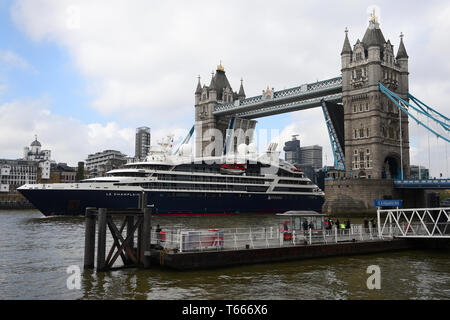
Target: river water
36, 252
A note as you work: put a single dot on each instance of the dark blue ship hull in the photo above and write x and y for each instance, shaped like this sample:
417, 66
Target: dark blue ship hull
74, 202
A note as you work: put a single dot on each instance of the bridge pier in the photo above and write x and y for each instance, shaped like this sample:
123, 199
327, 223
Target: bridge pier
356, 196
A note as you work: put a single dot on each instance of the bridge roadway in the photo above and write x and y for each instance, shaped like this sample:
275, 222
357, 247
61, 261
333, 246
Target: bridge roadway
422, 184
303, 97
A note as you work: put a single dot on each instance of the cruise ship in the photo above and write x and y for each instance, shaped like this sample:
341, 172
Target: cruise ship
179, 184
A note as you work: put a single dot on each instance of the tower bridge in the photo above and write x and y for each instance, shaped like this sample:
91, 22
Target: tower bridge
289, 100
365, 109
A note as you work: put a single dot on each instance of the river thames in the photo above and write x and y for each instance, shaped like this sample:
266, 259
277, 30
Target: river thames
36, 252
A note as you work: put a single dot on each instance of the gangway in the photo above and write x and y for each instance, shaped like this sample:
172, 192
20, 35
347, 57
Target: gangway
425, 223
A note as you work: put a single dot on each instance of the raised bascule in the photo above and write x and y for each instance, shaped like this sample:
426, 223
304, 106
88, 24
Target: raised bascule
366, 109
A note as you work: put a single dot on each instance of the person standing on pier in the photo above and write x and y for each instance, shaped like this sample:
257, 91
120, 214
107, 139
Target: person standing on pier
366, 224
305, 225
158, 235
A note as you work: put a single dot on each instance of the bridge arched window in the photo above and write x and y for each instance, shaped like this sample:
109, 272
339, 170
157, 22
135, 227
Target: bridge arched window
358, 74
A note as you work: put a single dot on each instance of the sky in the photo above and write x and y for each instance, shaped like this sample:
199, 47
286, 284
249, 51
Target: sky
82, 75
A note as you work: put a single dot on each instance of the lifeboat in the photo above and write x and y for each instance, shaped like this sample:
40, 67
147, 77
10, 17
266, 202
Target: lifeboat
232, 168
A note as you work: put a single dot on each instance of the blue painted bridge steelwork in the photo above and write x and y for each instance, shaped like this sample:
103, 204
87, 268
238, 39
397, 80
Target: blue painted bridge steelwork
422, 184
302, 97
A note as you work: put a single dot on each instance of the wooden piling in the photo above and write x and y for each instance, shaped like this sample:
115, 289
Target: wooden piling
146, 238
140, 233
101, 241
130, 225
89, 238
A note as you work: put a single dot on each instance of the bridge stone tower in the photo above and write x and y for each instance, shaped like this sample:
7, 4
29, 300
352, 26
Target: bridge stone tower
376, 134
219, 91
376, 140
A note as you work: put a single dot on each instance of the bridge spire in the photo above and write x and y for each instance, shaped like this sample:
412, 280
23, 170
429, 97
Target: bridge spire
347, 48
241, 94
401, 54
199, 86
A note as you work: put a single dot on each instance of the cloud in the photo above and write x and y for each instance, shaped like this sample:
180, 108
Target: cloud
140, 61
69, 139
308, 125
10, 59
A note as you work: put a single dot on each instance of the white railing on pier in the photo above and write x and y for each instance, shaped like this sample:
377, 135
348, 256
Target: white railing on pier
414, 223
184, 240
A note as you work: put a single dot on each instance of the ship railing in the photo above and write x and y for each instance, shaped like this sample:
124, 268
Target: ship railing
189, 240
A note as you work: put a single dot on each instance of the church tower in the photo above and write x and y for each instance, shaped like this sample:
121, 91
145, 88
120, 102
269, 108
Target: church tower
376, 133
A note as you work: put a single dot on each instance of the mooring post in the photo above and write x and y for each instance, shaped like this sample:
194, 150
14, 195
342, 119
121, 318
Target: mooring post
130, 224
89, 238
335, 235
379, 219
140, 235
146, 237
101, 241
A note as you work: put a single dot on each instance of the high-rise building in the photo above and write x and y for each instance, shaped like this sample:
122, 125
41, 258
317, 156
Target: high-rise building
292, 150
142, 144
311, 156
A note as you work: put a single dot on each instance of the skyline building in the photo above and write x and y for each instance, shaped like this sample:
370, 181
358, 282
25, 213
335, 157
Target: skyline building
142, 143
101, 162
311, 156
292, 150
42, 157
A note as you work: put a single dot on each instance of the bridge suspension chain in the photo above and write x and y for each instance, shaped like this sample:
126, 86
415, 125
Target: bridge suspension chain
441, 120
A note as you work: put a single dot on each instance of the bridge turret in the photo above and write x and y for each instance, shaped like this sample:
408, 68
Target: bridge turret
198, 92
212, 89
241, 94
346, 59
371, 122
402, 60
